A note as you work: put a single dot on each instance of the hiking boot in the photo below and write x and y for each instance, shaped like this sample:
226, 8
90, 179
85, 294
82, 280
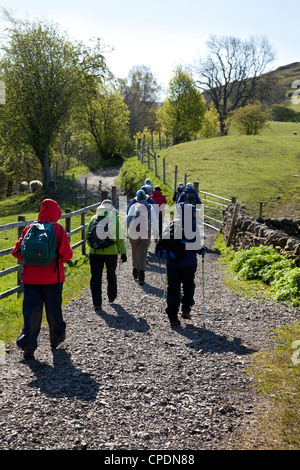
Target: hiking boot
97, 307
186, 314
135, 274
141, 278
175, 323
28, 355
112, 300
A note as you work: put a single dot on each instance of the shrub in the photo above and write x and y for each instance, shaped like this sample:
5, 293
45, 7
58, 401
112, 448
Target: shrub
265, 264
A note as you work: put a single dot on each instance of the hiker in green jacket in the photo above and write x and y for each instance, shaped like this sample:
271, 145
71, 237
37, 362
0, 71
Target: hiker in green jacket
105, 238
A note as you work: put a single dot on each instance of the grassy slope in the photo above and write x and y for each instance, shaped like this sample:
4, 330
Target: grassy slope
251, 168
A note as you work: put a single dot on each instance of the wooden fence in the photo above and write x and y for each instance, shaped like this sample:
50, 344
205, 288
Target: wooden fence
213, 204
23, 223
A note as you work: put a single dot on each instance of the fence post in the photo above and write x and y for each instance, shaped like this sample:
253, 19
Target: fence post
73, 183
114, 195
234, 217
85, 192
148, 153
104, 195
83, 251
175, 178
21, 218
261, 208
68, 223
196, 187
164, 170
139, 148
100, 188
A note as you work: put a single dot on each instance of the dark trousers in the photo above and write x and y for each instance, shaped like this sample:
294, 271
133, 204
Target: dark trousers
97, 263
180, 289
35, 296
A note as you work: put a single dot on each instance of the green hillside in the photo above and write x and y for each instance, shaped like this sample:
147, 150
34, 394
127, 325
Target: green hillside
286, 76
251, 168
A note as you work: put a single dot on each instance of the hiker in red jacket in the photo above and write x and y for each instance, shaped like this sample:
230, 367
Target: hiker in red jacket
44, 284
160, 199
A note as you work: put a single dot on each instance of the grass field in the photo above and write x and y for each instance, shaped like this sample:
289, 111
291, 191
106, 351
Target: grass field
251, 168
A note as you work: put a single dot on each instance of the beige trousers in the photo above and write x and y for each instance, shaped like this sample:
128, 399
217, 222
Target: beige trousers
139, 249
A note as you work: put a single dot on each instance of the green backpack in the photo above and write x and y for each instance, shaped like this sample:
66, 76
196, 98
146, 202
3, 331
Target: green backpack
39, 244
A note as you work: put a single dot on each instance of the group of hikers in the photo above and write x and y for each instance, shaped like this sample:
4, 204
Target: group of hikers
44, 247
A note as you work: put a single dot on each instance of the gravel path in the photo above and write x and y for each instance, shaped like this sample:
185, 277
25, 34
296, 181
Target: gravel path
124, 380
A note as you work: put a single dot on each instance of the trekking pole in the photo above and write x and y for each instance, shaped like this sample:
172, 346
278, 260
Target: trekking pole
203, 290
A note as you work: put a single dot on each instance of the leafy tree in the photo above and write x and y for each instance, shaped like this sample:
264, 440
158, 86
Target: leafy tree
230, 74
283, 113
211, 123
107, 119
183, 111
250, 119
46, 76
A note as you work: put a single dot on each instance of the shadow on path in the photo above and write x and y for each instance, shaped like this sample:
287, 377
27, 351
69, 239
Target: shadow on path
123, 320
63, 379
210, 342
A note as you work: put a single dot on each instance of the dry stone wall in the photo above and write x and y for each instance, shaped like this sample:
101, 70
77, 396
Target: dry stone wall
282, 234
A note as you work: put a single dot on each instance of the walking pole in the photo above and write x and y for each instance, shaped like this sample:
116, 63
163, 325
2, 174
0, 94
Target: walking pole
203, 290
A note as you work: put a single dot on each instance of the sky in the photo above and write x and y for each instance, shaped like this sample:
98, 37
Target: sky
162, 34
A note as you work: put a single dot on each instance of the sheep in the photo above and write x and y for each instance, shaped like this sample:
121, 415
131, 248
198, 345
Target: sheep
23, 186
35, 185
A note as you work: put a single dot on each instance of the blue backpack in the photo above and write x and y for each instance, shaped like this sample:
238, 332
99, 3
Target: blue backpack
39, 244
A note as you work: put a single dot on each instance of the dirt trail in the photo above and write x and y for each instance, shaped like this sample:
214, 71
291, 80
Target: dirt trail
124, 380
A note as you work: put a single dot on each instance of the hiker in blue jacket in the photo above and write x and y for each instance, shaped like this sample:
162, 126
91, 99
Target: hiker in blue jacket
181, 272
189, 195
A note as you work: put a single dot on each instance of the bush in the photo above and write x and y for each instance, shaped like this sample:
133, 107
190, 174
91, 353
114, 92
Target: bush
267, 265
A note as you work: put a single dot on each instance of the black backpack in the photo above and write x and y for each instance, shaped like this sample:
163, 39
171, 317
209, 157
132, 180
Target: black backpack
93, 236
190, 198
171, 243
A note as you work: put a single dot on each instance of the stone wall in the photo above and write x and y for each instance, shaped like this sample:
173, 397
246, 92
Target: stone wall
282, 234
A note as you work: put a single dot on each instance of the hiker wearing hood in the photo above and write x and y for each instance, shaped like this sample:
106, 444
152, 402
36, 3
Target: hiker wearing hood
43, 284
161, 201
105, 238
189, 196
178, 192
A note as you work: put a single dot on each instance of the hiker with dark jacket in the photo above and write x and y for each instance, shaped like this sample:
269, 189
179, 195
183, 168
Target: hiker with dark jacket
108, 230
148, 198
189, 196
177, 193
181, 272
43, 284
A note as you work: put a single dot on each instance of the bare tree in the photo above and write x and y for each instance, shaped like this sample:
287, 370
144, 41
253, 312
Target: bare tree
230, 73
141, 93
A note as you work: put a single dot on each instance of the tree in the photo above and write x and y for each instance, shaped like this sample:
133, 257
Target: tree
211, 124
184, 108
231, 72
283, 113
107, 119
250, 119
141, 94
45, 77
